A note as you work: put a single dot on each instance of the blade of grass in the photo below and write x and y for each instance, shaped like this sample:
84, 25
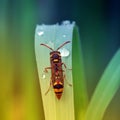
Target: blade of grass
6, 64
54, 36
33, 105
105, 90
80, 92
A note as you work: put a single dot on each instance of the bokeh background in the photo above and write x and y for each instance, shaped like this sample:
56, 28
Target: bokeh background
99, 26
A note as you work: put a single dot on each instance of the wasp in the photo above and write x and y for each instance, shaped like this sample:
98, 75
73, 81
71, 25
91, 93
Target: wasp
57, 76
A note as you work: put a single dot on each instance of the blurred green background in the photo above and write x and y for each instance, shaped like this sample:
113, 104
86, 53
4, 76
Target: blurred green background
99, 26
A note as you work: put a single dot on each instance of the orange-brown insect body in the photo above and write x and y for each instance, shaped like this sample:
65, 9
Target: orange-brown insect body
57, 73
57, 76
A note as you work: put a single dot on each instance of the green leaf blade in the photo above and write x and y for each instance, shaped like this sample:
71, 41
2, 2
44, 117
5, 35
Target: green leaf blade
79, 80
54, 36
105, 90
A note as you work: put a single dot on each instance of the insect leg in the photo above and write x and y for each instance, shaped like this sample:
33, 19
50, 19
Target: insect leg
67, 81
46, 69
65, 66
48, 88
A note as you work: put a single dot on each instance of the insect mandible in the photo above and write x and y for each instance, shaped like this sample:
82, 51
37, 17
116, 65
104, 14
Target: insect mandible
57, 76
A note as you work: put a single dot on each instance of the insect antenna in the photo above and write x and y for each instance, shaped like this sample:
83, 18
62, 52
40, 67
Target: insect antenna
63, 44
47, 46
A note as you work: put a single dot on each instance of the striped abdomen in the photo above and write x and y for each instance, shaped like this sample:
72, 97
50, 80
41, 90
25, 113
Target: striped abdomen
58, 89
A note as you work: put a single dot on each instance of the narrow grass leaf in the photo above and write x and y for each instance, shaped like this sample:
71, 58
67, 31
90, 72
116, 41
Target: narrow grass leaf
54, 36
79, 81
105, 90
